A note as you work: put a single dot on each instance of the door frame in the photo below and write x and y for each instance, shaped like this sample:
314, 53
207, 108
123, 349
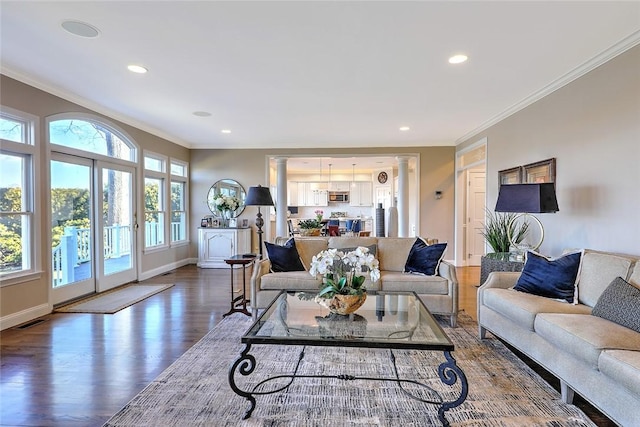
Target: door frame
460, 208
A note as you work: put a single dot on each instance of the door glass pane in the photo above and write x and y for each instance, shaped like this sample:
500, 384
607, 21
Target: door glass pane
117, 220
71, 223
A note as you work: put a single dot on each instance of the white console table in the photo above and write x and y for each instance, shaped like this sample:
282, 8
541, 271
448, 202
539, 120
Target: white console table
217, 244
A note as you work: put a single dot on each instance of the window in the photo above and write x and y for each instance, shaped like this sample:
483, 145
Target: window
179, 178
13, 130
153, 163
153, 212
17, 193
90, 135
155, 205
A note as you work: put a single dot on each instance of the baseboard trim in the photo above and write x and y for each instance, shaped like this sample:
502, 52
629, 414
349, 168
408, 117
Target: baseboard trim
24, 316
167, 267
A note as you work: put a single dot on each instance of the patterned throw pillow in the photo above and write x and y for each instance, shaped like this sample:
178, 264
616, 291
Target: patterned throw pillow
284, 258
550, 278
620, 303
423, 258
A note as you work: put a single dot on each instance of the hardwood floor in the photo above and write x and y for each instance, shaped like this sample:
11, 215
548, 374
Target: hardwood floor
79, 369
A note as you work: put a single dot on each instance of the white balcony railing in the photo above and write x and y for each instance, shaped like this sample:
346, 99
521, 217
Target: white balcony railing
75, 247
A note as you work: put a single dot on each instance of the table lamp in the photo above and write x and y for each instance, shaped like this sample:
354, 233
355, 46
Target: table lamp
259, 196
525, 199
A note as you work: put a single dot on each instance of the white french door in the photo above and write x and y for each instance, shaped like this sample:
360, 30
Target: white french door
72, 227
117, 224
92, 226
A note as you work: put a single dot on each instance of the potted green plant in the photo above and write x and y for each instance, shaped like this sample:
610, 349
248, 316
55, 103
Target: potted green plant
309, 227
499, 227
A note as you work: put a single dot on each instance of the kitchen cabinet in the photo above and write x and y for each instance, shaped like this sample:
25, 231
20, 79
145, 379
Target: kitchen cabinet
292, 196
361, 194
217, 244
340, 186
308, 194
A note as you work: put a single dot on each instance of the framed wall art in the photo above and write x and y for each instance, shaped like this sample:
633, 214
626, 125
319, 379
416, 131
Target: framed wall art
539, 172
510, 176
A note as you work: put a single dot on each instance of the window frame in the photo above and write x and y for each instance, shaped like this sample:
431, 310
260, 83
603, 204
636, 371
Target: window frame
182, 179
28, 150
164, 191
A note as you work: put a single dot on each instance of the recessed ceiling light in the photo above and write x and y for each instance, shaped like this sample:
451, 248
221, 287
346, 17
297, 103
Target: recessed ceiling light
202, 113
81, 29
225, 131
405, 128
458, 59
137, 69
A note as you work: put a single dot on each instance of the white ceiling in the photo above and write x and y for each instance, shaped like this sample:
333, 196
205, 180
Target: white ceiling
308, 74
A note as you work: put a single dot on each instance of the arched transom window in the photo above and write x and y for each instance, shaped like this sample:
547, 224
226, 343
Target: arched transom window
92, 136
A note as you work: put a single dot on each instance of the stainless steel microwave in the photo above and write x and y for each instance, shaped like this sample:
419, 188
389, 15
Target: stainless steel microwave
339, 197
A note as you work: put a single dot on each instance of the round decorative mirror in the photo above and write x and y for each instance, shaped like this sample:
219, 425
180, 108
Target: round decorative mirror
226, 195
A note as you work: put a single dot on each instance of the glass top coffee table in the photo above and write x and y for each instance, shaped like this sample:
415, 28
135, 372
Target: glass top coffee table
387, 320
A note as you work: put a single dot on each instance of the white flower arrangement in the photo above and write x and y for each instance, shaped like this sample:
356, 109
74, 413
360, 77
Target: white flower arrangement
226, 203
342, 272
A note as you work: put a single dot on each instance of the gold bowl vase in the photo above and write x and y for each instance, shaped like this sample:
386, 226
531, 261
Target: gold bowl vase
309, 232
342, 304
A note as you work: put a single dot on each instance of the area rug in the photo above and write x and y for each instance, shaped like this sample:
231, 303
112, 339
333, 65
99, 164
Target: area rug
113, 301
194, 390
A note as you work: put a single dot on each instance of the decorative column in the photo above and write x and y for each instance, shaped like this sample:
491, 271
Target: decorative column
281, 198
403, 196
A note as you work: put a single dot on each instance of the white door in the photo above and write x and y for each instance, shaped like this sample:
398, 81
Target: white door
383, 195
475, 215
72, 228
117, 223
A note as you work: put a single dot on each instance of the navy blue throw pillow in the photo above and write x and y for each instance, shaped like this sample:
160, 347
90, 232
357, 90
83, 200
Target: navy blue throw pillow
423, 258
550, 278
284, 258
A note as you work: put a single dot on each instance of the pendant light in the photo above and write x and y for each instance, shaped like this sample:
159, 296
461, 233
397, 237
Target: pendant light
322, 185
353, 175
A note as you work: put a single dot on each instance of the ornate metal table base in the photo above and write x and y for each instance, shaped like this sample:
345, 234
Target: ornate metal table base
448, 372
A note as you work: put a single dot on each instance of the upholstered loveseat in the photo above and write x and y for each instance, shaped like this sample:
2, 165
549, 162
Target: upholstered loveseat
439, 292
590, 354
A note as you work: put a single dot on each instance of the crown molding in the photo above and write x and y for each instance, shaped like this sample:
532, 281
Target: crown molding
622, 46
86, 103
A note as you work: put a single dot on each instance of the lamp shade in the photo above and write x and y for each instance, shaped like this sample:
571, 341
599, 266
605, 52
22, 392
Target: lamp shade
527, 198
258, 196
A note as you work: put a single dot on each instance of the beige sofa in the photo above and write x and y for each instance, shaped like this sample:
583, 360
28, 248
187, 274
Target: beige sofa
439, 292
597, 358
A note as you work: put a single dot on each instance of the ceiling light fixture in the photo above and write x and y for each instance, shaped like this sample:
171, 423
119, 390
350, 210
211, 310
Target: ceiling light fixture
202, 113
226, 131
81, 29
138, 69
404, 128
458, 59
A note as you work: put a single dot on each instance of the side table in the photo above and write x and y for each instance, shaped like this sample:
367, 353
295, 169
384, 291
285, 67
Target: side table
500, 261
239, 303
